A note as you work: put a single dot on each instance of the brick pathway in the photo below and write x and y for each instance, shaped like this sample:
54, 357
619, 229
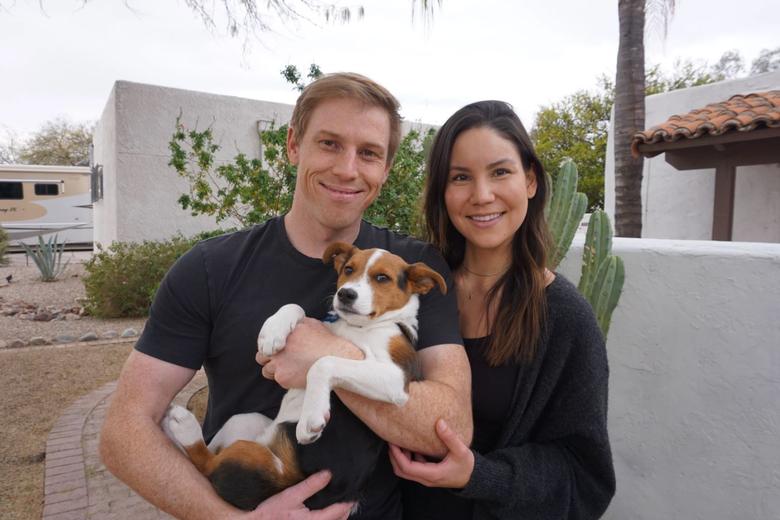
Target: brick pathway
76, 485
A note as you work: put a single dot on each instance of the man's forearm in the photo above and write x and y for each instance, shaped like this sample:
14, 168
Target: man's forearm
412, 426
137, 451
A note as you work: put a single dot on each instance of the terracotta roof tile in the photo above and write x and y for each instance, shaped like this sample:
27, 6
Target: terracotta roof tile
741, 113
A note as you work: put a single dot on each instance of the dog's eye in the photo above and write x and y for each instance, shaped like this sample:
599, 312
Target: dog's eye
348, 270
382, 278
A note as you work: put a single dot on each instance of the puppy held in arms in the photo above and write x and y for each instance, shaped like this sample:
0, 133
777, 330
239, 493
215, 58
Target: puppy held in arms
252, 457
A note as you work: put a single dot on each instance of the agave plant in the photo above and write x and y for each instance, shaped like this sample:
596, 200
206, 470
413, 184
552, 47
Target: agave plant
48, 257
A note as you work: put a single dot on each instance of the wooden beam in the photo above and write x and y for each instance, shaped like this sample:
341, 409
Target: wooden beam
747, 153
723, 210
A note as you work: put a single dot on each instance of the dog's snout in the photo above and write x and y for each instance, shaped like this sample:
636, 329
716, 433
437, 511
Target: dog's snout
347, 296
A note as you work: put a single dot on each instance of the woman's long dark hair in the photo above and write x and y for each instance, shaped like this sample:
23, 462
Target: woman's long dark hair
521, 310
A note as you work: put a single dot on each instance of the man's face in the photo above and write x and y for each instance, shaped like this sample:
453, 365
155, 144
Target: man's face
341, 160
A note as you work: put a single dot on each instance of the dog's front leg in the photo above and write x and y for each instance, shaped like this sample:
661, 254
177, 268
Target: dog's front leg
375, 380
274, 332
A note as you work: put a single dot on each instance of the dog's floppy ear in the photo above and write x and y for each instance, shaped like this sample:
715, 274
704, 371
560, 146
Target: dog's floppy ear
422, 279
337, 254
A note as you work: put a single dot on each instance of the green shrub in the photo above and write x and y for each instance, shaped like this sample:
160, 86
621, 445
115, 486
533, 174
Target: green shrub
47, 256
3, 246
120, 281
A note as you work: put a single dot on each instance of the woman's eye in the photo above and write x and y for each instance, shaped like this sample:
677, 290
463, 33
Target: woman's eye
369, 154
381, 278
459, 177
501, 172
348, 270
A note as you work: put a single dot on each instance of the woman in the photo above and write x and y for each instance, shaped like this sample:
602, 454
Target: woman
539, 365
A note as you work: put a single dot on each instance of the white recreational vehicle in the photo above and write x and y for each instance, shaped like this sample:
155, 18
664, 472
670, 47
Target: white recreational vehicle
41, 200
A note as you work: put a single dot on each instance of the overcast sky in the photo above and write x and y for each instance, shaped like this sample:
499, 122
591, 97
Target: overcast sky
64, 59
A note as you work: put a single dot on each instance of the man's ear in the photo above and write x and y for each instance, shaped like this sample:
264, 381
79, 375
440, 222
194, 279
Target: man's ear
422, 279
530, 182
292, 146
337, 254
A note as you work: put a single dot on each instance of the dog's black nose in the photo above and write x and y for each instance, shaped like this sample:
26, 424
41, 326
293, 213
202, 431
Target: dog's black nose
347, 295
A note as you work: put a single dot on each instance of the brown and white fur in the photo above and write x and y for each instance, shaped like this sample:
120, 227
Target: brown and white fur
253, 457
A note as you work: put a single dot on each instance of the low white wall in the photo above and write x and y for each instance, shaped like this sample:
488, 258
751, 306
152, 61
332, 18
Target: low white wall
694, 352
678, 204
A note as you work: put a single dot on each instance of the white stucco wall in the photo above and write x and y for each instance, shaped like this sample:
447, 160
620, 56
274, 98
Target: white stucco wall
678, 204
131, 142
694, 353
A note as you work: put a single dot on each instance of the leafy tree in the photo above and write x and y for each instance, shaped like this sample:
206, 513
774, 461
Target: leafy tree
246, 190
398, 206
767, 61
291, 75
576, 127
58, 142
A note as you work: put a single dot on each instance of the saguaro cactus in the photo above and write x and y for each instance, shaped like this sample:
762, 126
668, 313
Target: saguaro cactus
565, 211
603, 273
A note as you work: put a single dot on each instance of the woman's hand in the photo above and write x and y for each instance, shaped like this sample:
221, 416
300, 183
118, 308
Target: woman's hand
454, 471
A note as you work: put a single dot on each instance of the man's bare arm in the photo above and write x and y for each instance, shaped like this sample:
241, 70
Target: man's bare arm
444, 393
135, 449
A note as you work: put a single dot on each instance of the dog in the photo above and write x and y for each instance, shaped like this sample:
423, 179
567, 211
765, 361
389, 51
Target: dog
253, 457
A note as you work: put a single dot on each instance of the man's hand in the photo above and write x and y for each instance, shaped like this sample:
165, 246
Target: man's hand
289, 503
308, 342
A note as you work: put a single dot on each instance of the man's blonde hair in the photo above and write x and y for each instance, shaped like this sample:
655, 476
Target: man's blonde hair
347, 85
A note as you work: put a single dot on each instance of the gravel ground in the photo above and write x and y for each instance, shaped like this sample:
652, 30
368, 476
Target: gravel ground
26, 286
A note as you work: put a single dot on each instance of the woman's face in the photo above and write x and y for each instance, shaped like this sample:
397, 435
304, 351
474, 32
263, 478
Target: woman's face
487, 189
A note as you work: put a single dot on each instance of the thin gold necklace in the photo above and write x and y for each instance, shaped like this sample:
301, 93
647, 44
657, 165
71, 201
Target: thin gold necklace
469, 289
505, 269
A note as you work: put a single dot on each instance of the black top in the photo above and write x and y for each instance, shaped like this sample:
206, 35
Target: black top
550, 458
491, 393
212, 303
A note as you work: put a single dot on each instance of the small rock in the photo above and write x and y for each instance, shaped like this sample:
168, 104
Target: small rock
39, 341
129, 333
9, 311
64, 338
72, 317
110, 334
89, 336
3, 344
43, 316
16, 343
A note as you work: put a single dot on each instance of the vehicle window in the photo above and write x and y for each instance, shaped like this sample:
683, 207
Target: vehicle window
11, 190
47, 189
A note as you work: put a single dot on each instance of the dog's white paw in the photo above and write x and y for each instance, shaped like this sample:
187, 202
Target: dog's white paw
314, 416
310, 428
181, 426
274, 332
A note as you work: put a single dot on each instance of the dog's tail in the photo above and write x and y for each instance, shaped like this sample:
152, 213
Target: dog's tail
248, 473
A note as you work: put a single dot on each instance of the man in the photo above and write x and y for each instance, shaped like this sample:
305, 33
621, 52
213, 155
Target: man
343, 135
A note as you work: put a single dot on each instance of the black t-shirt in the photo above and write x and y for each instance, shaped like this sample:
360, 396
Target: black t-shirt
212, 303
